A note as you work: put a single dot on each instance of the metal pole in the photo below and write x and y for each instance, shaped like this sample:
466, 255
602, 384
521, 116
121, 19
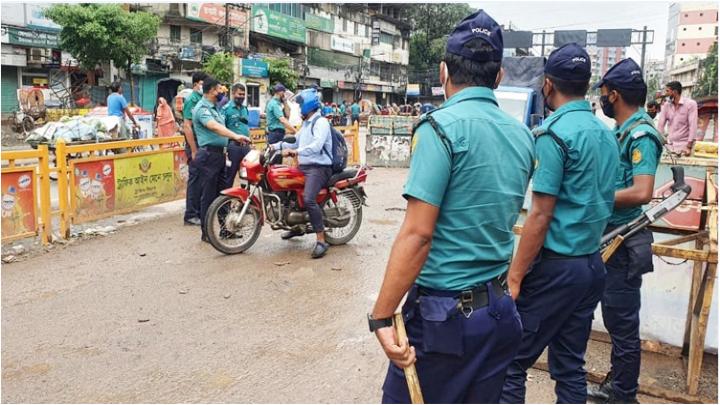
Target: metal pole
642, 53
542, 52
227, 26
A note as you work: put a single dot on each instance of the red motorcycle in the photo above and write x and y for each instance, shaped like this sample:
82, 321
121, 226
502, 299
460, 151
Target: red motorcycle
275, 195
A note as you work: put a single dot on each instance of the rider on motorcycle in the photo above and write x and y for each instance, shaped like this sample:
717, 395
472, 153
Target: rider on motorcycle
313, 147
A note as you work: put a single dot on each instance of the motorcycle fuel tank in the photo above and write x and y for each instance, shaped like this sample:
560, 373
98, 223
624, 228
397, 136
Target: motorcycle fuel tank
286, 178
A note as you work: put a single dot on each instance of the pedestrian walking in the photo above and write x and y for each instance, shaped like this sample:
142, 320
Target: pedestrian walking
623, 93
678, 120
557, 274
212, 137
277, 123
193, 190
313, 148
117, 106
651, 108
236, 117
456, 241
165, 124
355, 112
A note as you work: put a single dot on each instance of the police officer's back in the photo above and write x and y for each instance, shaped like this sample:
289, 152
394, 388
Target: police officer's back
470, 167
573, 194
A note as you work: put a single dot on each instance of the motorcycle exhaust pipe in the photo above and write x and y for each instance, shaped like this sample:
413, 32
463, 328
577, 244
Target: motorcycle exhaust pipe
332, 217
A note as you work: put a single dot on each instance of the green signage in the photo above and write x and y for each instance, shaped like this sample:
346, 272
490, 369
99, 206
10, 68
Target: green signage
327, 83
254, 68
274, 24
316, 22
31, 38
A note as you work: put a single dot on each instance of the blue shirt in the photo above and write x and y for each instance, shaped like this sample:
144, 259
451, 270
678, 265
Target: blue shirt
116, 105
203, 113
314, 146
583, 182
639, 155
479, 190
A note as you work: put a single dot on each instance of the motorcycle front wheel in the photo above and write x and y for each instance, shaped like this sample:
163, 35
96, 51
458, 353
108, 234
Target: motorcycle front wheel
228, 233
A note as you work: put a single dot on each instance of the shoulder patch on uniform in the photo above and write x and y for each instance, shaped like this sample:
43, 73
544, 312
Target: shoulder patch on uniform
636, 156
639, 134
414, 142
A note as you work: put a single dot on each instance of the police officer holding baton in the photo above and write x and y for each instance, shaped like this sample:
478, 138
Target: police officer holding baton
470, 168
623, 92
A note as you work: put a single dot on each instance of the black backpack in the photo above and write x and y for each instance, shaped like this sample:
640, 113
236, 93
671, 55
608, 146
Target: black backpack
339, 155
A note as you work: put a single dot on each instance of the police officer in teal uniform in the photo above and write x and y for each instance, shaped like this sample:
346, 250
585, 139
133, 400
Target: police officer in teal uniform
236, 117
623, 92
557, 274
471, 165
277, 124
212, 138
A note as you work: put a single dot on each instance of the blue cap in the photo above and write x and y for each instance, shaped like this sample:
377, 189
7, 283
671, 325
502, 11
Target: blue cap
477, 25
625, 74
569, 62
279, 87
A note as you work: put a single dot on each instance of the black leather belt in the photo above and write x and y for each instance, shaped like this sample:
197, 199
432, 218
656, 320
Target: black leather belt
214, 149
548, 254
476, 297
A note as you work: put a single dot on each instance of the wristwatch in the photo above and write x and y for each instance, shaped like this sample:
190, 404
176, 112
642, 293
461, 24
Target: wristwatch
376, 324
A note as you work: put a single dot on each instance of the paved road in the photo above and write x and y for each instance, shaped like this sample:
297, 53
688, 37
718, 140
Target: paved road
152, 314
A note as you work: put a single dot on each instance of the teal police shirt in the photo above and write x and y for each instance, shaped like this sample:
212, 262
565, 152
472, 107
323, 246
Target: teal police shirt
273, 113
189, 104
204, 112
479, 191
583, 181
236, 118
639, 155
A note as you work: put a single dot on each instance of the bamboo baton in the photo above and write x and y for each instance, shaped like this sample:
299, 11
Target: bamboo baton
410, 373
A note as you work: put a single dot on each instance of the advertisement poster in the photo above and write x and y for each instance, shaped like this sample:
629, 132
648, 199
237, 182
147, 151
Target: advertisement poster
274, 24
181, 173
214, 13
18, 208
94, 188
413, 89
144, 180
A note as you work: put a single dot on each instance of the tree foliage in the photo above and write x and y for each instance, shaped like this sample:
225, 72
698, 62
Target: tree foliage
96, 33
220, 66
708, 82
280, 71
433, 22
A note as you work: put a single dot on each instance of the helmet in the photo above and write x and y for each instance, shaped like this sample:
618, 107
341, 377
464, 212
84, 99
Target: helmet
309, 100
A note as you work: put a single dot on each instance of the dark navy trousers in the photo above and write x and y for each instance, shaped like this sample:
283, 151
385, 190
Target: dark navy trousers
193, 192
316, 178
459, 359
211, 168
275, 136
236, 153
556, 304
621, 310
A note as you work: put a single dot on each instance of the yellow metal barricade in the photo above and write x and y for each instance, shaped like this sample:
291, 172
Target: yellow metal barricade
23, 215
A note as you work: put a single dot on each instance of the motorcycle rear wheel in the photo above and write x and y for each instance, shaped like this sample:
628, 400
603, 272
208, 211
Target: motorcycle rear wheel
250, 226
341, 236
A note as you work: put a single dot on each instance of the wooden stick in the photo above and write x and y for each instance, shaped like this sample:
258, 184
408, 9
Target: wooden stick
612, 248
410, 373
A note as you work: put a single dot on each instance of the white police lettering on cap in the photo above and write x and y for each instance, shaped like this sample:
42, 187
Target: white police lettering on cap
579, 59
482, 31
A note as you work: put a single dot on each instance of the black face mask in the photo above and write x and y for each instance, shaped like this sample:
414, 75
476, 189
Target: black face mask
652, 114
220, 97
239, 101
607, 107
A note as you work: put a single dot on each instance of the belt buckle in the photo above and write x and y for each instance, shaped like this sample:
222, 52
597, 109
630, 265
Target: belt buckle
466, 300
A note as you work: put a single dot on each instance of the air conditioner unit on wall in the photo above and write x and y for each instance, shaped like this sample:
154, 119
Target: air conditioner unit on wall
37, 55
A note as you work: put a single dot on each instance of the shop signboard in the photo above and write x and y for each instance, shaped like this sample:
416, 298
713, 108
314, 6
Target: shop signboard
254, 68
269, 22
413, 89
316, 22
214, 13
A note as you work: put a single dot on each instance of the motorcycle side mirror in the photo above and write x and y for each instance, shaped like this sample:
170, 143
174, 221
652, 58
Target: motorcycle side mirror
289, 139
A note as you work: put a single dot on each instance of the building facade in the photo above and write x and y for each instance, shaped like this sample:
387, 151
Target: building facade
692, 30
602, 59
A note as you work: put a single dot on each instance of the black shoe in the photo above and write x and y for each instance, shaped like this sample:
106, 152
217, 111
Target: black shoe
205, 239
320, 250
193, 222
604, 391
225, 234
613, 399
292, 234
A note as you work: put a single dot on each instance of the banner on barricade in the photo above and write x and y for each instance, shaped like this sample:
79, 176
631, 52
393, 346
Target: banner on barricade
94, 184
18, 203
181, 173
144, 180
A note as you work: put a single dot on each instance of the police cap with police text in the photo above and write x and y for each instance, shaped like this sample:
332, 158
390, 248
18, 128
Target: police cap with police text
569, 62
477, 25
626, 74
